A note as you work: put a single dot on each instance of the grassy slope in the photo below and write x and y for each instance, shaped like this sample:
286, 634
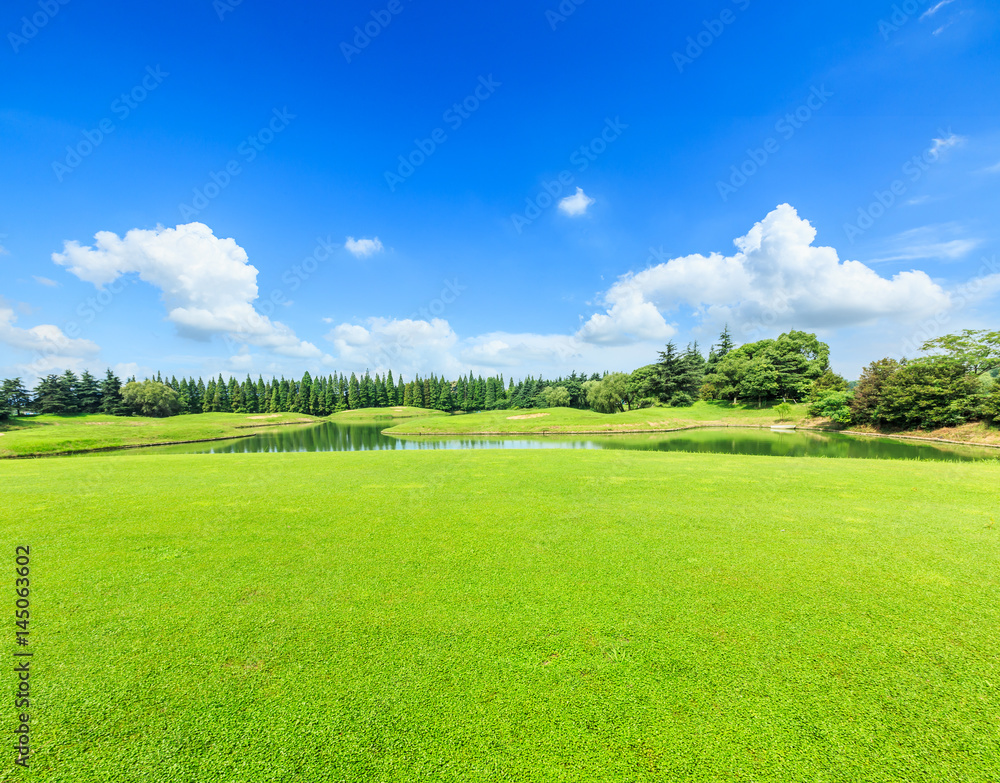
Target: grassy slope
53, 434
510, 615
366, 415
571, 419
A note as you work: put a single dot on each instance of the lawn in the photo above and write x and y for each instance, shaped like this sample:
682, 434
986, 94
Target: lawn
48, 434
574, 420
41, 435
508, 615
366, 415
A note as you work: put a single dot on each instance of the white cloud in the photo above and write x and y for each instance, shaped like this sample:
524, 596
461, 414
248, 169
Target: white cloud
777, 279
403, 345
362, 248
946, 143
207, 283
935, 8
52, 349
937, 241
45, 281
995, 169
577, 204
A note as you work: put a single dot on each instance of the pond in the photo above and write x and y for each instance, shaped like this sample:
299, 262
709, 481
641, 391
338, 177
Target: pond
329, 436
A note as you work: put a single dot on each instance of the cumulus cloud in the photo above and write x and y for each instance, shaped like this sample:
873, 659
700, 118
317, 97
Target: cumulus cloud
362, 248
51, 347
777, 278
207, 282
577, 204
404, 345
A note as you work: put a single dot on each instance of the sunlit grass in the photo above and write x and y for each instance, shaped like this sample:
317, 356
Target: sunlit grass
510, 615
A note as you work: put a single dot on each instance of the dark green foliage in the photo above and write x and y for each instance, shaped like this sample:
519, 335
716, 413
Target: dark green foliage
56, 394
88, 394
829, 381
834, 405
14, 397
152, 398
930, 393
785, 369
977, 349
868, 391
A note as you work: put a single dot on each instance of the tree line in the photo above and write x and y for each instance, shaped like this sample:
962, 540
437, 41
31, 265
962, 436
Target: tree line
68, 394
957, 383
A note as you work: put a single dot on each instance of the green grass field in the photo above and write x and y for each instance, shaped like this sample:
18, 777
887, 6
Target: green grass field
574, 420
508, 615
383, 414
58, 434
40, 435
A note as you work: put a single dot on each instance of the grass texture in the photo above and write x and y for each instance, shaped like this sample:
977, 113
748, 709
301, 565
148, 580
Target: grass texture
509, 616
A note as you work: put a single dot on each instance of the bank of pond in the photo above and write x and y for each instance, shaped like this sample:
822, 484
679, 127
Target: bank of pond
331, 436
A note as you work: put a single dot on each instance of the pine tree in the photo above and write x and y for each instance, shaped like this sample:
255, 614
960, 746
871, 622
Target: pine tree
16, 395
112, 403
88, 394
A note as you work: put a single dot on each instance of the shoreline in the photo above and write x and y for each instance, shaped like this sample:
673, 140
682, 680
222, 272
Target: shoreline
796, 428
793, 428
99, 449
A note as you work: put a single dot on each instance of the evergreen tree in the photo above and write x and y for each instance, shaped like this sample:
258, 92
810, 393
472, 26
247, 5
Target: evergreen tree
16, 396
445, 401
354, 393
198, 403
88, 393
112, 403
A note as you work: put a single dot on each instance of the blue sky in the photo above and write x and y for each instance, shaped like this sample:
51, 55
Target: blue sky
520, 188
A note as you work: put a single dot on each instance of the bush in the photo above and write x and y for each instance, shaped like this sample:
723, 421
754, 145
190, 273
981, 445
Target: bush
833, 405
681, 400
151, 398
931, 393
784, 411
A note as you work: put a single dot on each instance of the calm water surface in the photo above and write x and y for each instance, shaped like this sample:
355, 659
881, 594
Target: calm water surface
368, 437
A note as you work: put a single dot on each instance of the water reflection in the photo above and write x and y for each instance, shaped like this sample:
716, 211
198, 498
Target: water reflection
329, 436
